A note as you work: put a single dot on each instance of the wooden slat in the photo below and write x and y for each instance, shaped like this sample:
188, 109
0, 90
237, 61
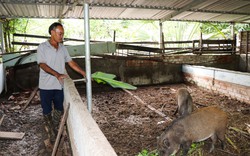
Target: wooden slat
11, 135
30, 98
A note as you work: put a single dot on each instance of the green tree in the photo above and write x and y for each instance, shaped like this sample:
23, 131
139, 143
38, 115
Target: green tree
222, 30
10, 27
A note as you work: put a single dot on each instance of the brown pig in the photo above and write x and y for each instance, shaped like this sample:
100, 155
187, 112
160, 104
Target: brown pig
184, 102
207, 122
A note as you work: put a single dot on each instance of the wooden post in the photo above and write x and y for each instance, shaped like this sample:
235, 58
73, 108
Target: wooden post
234, 45
163, 45
201, 42
247, 43
241, 34
114, 36
64, 118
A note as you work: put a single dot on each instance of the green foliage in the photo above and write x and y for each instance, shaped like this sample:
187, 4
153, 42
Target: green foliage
196, 149
216, 30
242, 27
15, 25
181, 31
104, 78
145, 152
126, 30
221, 30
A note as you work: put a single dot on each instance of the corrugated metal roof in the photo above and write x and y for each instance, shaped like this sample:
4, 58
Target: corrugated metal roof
183, 10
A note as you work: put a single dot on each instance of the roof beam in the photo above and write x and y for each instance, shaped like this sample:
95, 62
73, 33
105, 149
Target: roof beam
178, 10
218, 12
70, 8
132, 6
60, 14
186, 8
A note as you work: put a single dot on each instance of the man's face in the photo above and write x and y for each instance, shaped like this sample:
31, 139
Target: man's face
57, 34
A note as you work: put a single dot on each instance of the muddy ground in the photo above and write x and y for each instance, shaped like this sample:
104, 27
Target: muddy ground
129, 125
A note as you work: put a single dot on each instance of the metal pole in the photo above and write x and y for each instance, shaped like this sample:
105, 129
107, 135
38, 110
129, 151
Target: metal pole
87, 57
161, 36
2, 50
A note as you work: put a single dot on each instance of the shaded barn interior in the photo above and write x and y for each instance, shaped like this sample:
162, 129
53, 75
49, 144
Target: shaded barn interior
219, 71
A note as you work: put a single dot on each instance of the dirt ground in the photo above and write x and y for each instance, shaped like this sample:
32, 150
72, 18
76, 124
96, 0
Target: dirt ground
30, 121
129, 125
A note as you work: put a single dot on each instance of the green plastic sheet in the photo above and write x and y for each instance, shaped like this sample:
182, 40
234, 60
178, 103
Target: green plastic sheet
106, 78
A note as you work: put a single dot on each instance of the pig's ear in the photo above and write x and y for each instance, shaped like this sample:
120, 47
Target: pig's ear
166, 143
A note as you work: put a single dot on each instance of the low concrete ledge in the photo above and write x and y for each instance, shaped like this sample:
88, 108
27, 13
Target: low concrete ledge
228, 76
86, 138
230, 83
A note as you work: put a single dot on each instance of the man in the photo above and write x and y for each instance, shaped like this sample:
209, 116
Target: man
51, 57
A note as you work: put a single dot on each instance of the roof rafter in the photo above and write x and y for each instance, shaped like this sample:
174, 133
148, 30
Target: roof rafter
187, 7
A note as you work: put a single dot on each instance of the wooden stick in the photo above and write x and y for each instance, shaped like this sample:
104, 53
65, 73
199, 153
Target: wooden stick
60, 146
1, 120
225, 151
248, 128
238, 130
149, 106
231, 142
200, 104
80, 80
30, 98
65, 115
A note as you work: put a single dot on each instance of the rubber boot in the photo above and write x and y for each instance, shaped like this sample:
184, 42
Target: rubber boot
56, 120
49, 128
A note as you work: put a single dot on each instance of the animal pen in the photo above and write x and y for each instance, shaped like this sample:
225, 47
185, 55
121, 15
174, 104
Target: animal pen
131, 120
126, 122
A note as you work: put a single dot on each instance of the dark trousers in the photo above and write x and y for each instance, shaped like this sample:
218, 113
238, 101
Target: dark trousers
50, 97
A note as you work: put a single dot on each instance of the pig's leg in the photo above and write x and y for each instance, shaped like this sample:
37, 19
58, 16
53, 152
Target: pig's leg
185, 147
176, 111
214, 140
221, 136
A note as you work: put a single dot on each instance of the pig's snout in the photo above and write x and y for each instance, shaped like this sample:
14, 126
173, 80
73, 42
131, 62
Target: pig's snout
165, 148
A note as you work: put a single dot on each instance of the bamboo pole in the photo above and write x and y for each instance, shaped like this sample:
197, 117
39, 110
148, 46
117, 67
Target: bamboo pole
149, 106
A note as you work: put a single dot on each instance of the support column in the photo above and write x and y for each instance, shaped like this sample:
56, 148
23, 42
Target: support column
87, 57
232, 30
2, 49
161, 40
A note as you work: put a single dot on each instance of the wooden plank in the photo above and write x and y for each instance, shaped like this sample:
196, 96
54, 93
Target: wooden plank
11, 135
140, 48
30, 98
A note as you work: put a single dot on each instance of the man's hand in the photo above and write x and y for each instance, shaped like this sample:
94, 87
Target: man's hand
60, 77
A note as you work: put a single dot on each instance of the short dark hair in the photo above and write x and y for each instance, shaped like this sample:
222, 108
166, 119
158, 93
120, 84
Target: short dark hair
53, 26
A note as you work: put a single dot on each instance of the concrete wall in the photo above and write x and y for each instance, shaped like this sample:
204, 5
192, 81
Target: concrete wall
224, 61
135, 72
86, 138
243, 64
230, 83
160, 70
147, 72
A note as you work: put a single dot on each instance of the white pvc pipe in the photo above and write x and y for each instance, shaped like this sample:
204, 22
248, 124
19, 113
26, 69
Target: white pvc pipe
87, 57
